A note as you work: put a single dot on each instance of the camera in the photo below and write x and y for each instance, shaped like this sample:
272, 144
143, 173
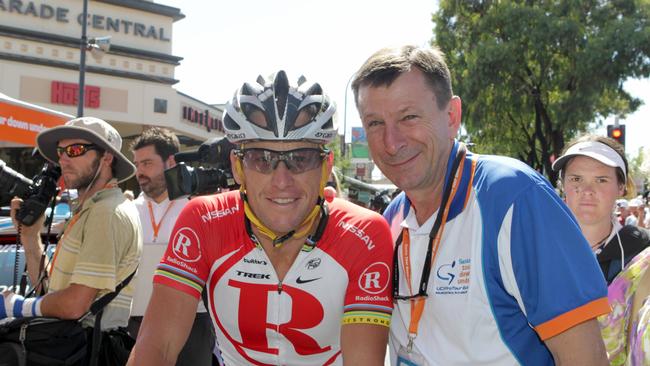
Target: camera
183, 180
380, 201
36, 193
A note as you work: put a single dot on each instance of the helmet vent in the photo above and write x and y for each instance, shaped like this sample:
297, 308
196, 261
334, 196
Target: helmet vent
281, 90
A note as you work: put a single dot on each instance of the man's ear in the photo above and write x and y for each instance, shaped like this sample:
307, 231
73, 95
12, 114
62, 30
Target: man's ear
455, 111
107, 159
170, 162
330, 160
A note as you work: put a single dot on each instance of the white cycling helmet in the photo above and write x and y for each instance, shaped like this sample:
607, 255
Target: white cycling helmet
278, 111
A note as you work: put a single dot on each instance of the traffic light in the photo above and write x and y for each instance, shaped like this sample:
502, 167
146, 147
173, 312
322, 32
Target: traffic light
617, 133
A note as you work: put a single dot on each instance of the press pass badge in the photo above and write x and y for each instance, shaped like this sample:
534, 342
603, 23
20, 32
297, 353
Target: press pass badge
406, 357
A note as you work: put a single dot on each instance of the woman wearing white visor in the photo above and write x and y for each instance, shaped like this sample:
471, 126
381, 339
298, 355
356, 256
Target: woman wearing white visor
593, 174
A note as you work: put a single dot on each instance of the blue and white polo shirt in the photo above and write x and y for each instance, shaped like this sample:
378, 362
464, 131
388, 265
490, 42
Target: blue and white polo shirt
513, 269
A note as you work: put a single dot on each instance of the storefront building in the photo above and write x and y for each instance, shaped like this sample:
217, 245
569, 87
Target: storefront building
130, 86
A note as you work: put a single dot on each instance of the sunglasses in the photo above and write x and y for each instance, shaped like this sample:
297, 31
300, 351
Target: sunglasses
297, 161
75, 150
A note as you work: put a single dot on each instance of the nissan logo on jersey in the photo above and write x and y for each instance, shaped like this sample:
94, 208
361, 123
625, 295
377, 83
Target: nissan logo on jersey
186, 245
375, 278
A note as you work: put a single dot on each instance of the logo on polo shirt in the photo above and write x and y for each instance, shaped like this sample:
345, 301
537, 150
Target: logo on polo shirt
452, 278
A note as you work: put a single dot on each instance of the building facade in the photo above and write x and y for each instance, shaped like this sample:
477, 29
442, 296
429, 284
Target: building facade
130, 86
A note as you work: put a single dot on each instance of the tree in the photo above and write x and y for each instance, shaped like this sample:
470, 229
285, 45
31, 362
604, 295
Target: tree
533, 74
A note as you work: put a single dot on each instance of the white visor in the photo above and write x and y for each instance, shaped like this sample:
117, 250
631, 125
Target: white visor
595, 150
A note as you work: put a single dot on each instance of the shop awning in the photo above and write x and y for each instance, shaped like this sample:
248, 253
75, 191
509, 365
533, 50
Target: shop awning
20, 121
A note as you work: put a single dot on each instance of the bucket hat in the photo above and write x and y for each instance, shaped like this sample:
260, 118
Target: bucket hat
95, 130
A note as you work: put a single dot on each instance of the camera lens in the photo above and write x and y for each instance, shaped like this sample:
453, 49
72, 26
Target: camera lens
13, 183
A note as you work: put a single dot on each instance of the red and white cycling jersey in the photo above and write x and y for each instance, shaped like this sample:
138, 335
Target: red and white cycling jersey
263, 321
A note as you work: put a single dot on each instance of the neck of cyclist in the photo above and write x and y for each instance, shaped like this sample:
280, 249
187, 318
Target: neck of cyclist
292, 241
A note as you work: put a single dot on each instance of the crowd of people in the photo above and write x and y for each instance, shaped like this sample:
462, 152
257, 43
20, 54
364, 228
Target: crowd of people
477, 261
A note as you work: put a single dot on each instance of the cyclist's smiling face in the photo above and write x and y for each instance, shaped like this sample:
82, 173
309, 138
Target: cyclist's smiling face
281, 199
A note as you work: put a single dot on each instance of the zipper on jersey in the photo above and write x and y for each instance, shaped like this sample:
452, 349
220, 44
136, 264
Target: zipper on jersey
279, 287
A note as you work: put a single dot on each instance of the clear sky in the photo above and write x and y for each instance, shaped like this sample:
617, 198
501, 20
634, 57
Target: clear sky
224, 43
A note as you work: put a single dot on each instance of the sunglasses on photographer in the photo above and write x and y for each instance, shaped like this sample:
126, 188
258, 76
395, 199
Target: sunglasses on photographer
297, 161
75, 150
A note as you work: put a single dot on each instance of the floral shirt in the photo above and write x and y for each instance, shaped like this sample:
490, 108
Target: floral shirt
625, 330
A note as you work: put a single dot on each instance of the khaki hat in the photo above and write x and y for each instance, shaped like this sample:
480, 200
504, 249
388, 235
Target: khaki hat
95, 130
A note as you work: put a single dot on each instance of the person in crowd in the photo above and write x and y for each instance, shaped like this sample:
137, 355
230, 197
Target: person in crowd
638, 208
622, 210
291, 279
633, 209
593, 174
490, 266
153, 152
101, 243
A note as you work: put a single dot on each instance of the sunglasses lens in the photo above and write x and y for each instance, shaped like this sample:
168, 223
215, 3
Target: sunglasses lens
298, 161
74, 150
302, 160
258, 159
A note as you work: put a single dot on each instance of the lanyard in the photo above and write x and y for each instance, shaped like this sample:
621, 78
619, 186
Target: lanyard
417, 301
156, 226
68, 227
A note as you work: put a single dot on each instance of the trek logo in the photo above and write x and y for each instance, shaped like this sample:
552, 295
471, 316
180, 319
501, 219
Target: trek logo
218, 214
251, 338
300, 281
358, 232
257, 276
375, 278
186, 245
453, 278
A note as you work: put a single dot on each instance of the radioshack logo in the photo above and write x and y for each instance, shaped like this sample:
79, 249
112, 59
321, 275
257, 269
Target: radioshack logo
453, 278
186, 245
375, 278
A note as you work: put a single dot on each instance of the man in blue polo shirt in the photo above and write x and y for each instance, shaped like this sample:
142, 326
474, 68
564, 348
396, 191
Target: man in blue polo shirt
490, 266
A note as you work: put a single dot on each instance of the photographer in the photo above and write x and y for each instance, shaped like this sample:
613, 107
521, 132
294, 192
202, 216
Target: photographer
153, 152
101, 244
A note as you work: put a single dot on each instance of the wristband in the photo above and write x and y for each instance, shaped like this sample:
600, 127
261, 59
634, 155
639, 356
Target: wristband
16, 306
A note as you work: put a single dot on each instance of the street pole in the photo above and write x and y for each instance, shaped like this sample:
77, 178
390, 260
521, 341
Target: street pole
345, 113
82, 60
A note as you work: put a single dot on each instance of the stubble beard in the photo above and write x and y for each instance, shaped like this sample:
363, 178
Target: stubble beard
156, 186
84, 181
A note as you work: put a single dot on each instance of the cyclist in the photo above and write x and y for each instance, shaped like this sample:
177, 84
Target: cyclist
290, 278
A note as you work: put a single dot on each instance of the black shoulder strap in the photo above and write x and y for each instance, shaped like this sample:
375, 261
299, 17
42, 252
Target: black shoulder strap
99, 304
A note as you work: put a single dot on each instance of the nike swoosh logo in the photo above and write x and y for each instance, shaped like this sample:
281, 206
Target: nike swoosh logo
301, 281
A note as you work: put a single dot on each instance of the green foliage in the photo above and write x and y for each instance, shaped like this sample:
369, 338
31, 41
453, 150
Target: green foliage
533, 74
639, 166
341, 162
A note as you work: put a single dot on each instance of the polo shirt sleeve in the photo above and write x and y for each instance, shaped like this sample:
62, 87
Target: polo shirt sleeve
184, 266
547, 265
